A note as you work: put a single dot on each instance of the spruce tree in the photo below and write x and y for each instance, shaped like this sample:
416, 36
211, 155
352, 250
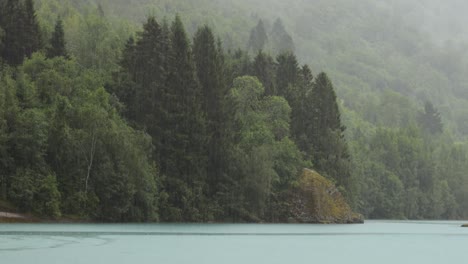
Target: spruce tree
430, 120
330, 151
264, 69
184, 159
238, 64
142, 86
287, 75
21, 34
123, 82
258, 38
149, 75
301, 117
281, 41
57, 42
210, 72
13, 25
32, 35
2, 25
2, 33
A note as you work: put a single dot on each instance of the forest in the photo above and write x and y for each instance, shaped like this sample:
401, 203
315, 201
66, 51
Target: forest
202, 111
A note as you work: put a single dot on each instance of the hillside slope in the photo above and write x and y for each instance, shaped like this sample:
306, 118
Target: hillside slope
392, 73
367, 47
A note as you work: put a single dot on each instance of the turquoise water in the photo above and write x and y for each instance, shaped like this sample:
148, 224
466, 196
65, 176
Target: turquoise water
373, 242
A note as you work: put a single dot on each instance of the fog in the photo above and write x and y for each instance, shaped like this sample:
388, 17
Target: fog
417, 49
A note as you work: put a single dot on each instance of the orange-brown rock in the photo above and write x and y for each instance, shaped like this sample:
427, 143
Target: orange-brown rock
316, 199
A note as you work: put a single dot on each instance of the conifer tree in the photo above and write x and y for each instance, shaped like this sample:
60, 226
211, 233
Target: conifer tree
287, 75
184, 157
430, 120
238, 64
21, 34
264, 69
13, 25
124, 85
330, 151
210, 72
301, 118
258, 38
143, 85
281, 41
2, 32
149, 75
57, 42
32, 35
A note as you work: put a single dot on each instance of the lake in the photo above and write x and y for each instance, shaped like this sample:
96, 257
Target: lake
373, 242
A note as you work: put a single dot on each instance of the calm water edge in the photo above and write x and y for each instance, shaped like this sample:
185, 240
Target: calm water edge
373, 242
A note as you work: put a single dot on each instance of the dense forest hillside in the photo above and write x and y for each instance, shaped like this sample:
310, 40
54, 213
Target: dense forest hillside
369, 47
214, 143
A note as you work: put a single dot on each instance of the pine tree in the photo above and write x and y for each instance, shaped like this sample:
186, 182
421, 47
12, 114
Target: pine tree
237, 64
13, 25
32, 35
2, 33
430, 120
287, 75
210, 72
21, 33
101, 10
123, 83
301, 117
281, 41
258, 38
142, 86
184, 157
2, 25
264, 69
149, 75
57, 42
330, 151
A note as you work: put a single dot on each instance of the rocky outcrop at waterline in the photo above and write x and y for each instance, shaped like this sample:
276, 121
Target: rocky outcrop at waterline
317, 200
465, 225
8, 217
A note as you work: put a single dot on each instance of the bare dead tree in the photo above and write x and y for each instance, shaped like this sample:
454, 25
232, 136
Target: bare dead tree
89, 157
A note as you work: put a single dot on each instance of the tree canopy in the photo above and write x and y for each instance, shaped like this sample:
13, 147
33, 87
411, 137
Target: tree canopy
104, 119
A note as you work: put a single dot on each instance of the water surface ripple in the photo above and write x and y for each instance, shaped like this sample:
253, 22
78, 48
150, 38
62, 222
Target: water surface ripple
373, 242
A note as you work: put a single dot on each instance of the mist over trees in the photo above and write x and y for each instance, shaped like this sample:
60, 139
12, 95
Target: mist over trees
223, 126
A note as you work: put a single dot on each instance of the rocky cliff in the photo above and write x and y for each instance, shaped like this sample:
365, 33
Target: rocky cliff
317, 200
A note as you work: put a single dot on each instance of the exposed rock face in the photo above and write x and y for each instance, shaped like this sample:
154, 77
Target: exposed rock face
317, 200
7, 217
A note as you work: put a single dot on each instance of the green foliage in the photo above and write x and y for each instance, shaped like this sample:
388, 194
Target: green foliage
430, 120
32, 35
329, 149
265, 161
407, 178
183, 158
181, 134
57, 42
69, 151
264, 69
210, 70
18, 44
32, 192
